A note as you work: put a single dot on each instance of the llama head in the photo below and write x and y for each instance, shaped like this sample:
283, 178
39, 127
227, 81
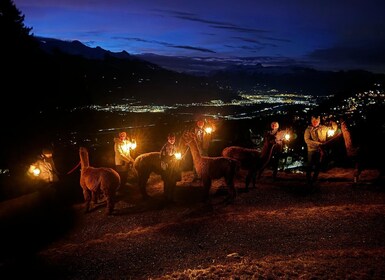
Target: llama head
83, 150
188, 137
83, 153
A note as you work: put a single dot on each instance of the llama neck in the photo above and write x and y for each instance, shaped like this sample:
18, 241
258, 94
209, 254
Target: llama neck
350, 149
84, 159
197, 158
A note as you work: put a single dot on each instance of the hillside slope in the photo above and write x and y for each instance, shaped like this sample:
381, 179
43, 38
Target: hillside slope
279, 230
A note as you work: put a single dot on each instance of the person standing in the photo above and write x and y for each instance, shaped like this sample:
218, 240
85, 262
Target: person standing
123, 159
170, 167
314, 136
272, 148
47, 166
44, 169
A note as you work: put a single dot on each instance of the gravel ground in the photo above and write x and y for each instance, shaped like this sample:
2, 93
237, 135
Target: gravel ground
279, 230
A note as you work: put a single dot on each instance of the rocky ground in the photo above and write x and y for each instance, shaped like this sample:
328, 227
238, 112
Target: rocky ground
279, 230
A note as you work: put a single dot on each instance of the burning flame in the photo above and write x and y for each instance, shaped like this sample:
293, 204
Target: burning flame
126, 147
209, 129
129, 145
331, 132
133, 145
287, 136
35, 171
178, 155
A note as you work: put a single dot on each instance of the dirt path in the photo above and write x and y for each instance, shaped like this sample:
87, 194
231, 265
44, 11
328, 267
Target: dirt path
277, 231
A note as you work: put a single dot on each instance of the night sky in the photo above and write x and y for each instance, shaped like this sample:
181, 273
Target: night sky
324, 34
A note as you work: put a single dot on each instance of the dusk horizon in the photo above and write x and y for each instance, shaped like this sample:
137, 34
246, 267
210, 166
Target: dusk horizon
322, 35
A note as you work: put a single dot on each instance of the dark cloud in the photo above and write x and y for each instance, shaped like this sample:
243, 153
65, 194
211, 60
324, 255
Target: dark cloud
205, 50
194, 48
255, 42
370, 56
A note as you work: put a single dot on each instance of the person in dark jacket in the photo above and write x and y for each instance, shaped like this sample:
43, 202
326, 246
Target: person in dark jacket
171, 172
44, 169
272, 148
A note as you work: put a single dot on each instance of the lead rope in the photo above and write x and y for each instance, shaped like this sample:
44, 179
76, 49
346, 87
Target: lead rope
73, 169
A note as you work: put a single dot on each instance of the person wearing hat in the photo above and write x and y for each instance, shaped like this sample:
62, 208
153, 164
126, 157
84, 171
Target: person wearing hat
314, 136
272, 148
123, 159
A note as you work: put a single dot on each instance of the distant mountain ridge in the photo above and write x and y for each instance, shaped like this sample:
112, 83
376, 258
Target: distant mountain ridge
75, 47
238, 77
103, 76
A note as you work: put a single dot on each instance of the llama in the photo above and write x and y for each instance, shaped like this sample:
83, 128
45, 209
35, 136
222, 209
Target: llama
95, 180
211, 168
250, 160
144, 164
362, 155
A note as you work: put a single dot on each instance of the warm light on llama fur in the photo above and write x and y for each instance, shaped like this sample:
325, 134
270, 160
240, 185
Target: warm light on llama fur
362, 156
95, 180
144, 164
211, 168
250, 160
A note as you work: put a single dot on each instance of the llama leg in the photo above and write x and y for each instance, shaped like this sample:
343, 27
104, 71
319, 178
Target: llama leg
231, 188
259, 173
357, 171
168, 190
254, 178
94, 197
206, 186
171, 190
248, 179
87, 199
109, 193
142, 185
110, 204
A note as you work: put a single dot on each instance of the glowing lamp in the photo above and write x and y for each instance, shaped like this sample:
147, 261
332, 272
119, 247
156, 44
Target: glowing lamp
287, 136
331, 132
34, 170
133, 145
178, 156
126, 147
209, 129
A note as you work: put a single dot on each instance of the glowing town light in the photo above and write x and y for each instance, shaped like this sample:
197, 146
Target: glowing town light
331, 132
178, 156
209, 129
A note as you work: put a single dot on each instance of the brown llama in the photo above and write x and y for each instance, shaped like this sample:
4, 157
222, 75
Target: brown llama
212, 168
95, 180
250, 160
363, 156
144, 164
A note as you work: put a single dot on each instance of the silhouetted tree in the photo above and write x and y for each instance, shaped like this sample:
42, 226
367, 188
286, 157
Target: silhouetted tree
15, 36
